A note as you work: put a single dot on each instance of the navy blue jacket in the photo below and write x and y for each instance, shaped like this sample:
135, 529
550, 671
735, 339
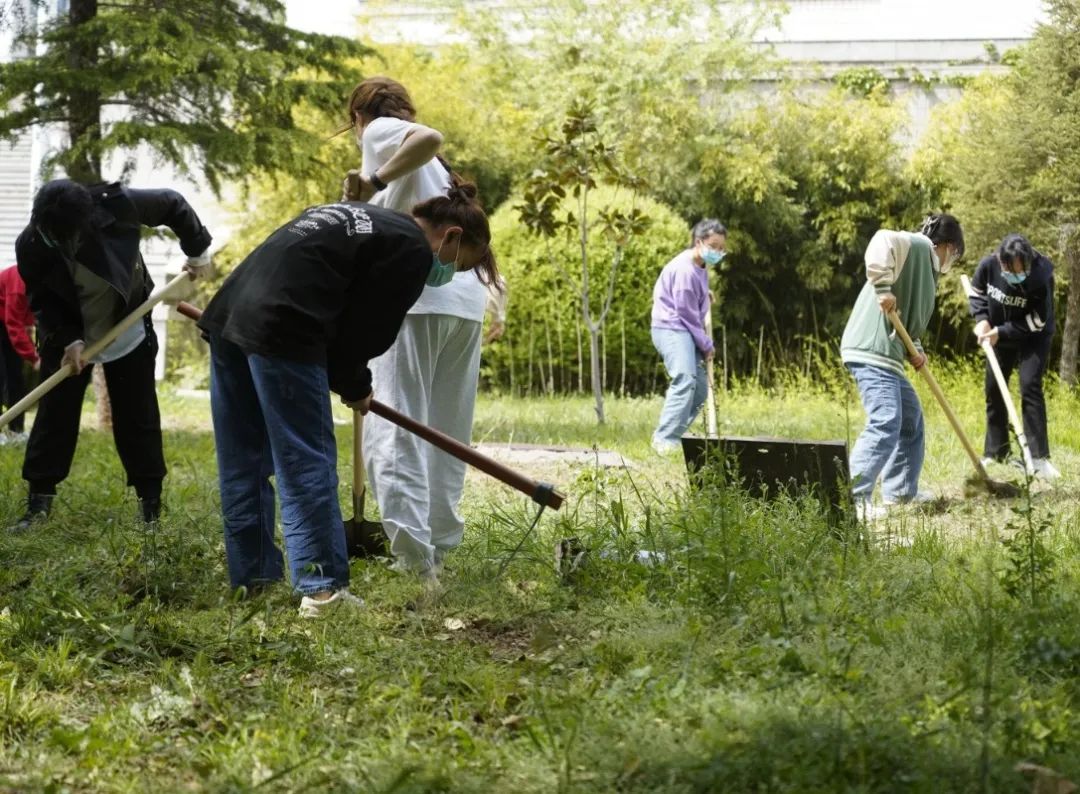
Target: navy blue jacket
1023, 313
110, 251
330, 287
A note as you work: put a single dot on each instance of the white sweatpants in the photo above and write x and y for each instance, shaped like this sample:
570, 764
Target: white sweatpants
429, 374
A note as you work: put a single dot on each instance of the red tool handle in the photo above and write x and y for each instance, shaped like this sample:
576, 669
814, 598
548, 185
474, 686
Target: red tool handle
540, 492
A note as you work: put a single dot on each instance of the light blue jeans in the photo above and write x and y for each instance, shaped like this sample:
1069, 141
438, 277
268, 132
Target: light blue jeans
272, 417
689, 385
892, 444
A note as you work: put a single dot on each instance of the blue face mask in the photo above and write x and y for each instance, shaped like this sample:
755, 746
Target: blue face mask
442, 273
1014, 278
712, 257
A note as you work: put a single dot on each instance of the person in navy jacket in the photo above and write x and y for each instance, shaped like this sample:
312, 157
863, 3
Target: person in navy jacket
1012, 302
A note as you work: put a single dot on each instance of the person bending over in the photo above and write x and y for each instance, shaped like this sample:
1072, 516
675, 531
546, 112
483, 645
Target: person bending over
1013, 307
83, 270
301, 316
902, 271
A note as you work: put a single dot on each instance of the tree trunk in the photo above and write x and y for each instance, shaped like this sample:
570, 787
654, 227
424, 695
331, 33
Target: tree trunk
622, 366
551, 357
597, 386
529, 360
101, 395
1070, 336
84, 132
580, 359
84, 104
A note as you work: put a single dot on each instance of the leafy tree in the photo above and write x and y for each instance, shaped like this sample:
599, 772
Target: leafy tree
1011, 151
576, 162
658, 75
209, 86
802, 183
545, 348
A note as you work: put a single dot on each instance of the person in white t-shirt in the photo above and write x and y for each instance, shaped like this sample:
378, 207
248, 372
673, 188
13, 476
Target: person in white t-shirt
431, 371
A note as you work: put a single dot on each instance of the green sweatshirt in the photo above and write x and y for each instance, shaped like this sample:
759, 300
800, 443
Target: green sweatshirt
901, 263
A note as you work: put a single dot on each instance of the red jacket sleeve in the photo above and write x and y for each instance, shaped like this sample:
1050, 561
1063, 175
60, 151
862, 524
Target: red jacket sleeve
18, 317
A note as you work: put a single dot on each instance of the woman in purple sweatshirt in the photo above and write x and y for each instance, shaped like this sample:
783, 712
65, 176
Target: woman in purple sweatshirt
680, 301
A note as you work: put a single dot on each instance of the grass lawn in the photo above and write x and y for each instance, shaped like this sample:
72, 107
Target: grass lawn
759, 650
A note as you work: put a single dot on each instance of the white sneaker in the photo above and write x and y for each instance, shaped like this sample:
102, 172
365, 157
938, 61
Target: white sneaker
314, 608
1044, 469
665, 448
921, 497
868, 512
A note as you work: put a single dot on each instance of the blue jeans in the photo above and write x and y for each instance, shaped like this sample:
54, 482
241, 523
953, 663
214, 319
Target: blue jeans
272, 416
689, 385
892, 444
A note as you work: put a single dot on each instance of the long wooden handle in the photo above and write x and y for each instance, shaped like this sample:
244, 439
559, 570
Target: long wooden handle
710, 399
1003, 387
540, 492
110, 336
894, 318
359, 488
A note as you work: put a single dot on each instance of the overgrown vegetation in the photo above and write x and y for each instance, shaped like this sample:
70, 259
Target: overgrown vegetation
754, 648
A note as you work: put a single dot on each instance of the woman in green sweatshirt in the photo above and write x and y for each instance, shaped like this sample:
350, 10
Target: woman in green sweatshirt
902, 270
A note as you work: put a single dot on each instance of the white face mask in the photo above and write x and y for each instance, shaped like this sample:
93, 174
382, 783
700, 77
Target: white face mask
945, 265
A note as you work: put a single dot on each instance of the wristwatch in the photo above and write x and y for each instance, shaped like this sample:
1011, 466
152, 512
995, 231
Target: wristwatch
373, 178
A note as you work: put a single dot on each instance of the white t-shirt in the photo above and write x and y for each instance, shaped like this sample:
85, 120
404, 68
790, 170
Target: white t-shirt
465, 296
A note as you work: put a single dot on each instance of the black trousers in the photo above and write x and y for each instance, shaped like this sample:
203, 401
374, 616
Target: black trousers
12, 385
136, 422
1031, 360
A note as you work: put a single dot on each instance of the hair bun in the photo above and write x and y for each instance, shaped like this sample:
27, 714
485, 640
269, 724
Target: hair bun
463, 191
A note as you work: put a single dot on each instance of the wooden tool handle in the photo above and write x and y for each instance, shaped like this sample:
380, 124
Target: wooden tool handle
110, 336
540, 492
1003, 387
710, 397
901, 331
359, 488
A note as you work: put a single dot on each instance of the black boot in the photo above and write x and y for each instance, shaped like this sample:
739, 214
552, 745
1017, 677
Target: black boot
38, 506
150, 510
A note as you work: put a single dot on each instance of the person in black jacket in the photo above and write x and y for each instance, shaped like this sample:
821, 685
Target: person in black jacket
79, 257
1012, 302
301, 316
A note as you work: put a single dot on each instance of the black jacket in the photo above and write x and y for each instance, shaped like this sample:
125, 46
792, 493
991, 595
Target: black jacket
1023, 313
330, 287
111, 251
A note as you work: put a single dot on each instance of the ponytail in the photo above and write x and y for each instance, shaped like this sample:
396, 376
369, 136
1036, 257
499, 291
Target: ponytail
943, 228
379, 97
460, 207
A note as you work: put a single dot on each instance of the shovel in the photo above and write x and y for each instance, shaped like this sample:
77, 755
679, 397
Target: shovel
363, 538
1003, 387
542, 493
1001, 489
710, 403
68, 370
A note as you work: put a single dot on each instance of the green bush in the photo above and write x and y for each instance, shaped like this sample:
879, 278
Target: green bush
546, 346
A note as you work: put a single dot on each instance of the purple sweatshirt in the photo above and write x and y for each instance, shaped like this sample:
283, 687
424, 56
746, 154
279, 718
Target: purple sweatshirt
681, 298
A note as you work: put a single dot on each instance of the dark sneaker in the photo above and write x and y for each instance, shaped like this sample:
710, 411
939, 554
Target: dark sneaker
150, 510
38, 506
